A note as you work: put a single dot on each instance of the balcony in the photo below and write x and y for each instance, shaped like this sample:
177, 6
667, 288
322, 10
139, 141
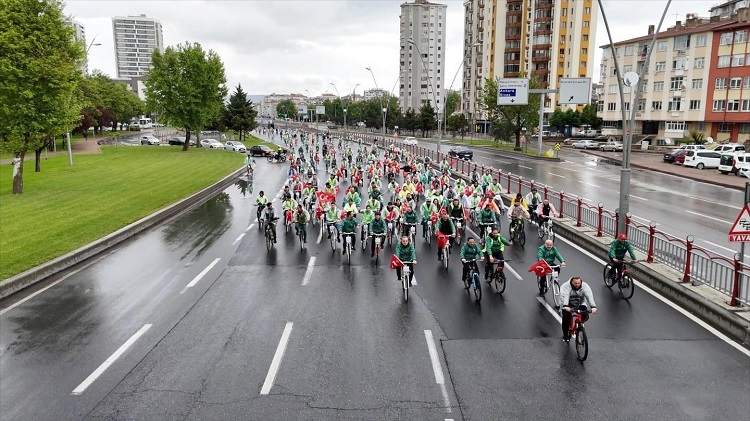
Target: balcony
543, 4
515, 37
543, 73
513, 50
543, 32
511, 74
544, 19
540, 59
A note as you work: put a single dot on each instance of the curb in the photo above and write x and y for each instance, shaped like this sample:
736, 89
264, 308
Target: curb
39, 273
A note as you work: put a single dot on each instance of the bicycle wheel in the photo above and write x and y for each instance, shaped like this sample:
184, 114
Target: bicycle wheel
405, 286
429, 237
627, 287
608, 276
522, 238
269, 242
445, 257
542, 283
349, 255
550, 234
541, 232
582, 343
499, 281
333, 240
377, 255
556, 294
477, 286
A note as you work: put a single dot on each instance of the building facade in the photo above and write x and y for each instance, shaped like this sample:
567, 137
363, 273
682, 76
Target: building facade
422, 55
374, 93
136, 38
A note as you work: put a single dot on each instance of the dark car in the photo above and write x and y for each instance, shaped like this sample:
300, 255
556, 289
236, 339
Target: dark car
260, 150
672, 156
462, 153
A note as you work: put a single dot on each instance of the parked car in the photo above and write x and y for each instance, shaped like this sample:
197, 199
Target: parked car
692, 147
734, 162
680, 159
586, 144
611, 146
261, 150
672, 156
177, 140
233, 145
212, 144
461, 152
410, 141
149, 140
702, 159
731, 147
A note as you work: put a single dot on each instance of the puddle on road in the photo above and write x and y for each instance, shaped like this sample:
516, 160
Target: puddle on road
197, 230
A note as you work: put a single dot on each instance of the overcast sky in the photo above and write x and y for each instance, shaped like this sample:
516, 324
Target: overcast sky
282, 46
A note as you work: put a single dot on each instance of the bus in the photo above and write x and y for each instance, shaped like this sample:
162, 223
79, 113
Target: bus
145, 123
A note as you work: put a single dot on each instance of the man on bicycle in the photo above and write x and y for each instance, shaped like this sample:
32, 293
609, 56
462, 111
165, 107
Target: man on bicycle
408, 255
470, 252
391, 215
446, 227
249, 164
617, 251
301, 219
486, 217
332, 219
516, 213
456, 210
533, 199
269, 215
494, 246
261, 201
549, 253
545, 210
349, 230
377, 227
575, 294
409, 218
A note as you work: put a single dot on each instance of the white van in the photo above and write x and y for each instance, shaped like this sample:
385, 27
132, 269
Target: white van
692, 147
702, 159
731, 147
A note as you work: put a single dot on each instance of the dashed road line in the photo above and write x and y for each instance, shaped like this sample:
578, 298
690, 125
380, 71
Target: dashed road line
200, 275
308, 272
238, 239
437, 369
276, 362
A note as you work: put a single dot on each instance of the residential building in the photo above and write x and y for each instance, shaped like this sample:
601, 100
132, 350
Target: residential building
422, 55
546, 40
727, 9
374, 93
134, 84
136, 38
597, 89
80, 35
267, 106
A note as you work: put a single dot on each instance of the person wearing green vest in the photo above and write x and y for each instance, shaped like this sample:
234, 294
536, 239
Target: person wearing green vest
408, 255
470, 252
408, 219
349, 229
377, 227
494, 246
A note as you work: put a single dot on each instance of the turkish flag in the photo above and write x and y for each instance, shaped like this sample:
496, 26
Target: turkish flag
396, 262
540, 268
324, 197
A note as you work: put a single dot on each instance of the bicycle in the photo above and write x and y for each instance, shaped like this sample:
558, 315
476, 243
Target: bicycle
517, 232
378, 245
497, 275
405, 279
288, 220
473, 279
348, 246
269, 233
428, 232
551, 278
302, 234
391, 231
473, 215
411, 232
624, 280
485, 230
332, 234
443, 242
545, 228
577, 330
364, 235
259, 215
460, 227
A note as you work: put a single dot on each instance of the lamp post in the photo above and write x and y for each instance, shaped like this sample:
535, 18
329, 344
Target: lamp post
381, 99
70, 148
338, 95
309, 101
434, 97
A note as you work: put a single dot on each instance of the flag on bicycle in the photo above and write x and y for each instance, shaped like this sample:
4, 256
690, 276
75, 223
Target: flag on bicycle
396, 262
540, 268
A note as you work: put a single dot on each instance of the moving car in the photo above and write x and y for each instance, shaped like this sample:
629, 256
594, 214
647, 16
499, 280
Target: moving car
149, 140
410, 141
702, 159
586, 144
212, 144
233, 145
461, 152
671, 156
260, 150
180, 141
611, 146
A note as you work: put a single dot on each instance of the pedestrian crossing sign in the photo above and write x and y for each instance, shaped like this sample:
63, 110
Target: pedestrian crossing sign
740, 231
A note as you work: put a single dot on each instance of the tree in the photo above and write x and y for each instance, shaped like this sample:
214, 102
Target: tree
186, 86
457, 123
451, 102
561, 119
39, 71
513, 118
588, 116
239, 114
409, 121
286, 108
426, 119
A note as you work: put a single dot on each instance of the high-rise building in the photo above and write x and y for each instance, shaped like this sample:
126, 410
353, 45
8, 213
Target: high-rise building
136, 37
374, 93
546, 40
80, 35
422, 55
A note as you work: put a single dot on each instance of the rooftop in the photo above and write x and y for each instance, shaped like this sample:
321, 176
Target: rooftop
692, 25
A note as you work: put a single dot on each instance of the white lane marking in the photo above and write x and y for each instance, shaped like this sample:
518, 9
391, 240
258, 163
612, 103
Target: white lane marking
638, 218
308, 272
437, 369
720, 246
549, 308
276, 362
709, 217
56, 282
200, 275
507, 266
238, 239
588, 184
249, 227
661, 298
556, 175
528, 168
109, 361
711, 201
638, 197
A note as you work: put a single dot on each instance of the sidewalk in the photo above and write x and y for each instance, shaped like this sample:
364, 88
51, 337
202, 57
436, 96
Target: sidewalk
80, 147
654, 162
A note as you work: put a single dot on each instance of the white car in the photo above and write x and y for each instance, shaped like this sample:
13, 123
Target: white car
586, 144
233, 145
149, 140
702, 159
212, 144
410, 141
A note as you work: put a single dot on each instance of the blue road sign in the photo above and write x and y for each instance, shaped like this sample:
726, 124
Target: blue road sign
507, 92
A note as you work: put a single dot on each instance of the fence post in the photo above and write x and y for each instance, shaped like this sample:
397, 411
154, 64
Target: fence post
532, 184
579, 211
651, 234
617, 222
520, 189
545, 196
734, 302
601, 217
688, 258
509, 174
562, 195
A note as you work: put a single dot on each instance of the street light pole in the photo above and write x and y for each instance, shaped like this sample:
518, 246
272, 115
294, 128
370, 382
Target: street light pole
338, 95
434, 97
381, 99
70, 148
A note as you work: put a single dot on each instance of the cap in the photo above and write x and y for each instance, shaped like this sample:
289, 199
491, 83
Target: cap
622, 237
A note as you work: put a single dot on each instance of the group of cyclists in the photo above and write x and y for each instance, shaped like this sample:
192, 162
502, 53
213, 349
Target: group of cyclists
428, 197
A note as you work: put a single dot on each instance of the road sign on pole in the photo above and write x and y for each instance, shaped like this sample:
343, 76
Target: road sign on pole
320, 109
740, 231
575, 90
513, 91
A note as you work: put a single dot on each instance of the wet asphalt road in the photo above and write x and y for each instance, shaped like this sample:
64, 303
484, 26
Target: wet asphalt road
354, 349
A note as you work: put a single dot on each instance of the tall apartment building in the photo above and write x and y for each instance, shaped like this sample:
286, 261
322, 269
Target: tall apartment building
136, 37
422, 55
697, 80
80, 35
374, 93
542, 39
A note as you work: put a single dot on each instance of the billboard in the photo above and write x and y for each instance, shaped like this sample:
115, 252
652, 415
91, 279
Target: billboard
302, 109
320, 109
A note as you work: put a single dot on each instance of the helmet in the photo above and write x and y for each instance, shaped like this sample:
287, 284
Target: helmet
622, 237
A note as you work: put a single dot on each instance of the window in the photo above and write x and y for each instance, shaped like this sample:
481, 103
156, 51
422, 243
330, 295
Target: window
586, 38
701, 126
745, 127
584, 50
674, 126
611, 106
679, 63
733, 105
627, 68
585, 24
612, 89
740, 37
661, 66
565, 12
719, 105
675, 83
697, 83
726, 38
656, 105
583, 64
600, 106
721, 83
658, 86
738, 60
675, 104
564, 25
695, 104
629, 50
735, 83
700, 41
699, 62
587, 10
627, 106
725, 127
681, 42
746, 85
641, 105
661, 46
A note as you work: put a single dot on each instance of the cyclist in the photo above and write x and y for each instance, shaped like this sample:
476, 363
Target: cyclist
269, 215
391, 216
332, 218
517, 212
495, 187
486, 181
308, 195
289, 204
351, 207
406, 253
301, 219
617, 251
349, 229
446, 227
486, 217
249, 164
456, 210
474, 201
374, 204
427, 209
519, 199
494, 246
545, 210
549, 253
409, 218
533, 199
575, 294
470, 252
261, 201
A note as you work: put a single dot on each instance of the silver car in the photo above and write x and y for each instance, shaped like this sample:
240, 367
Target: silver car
212, 144
149, 140
233, 145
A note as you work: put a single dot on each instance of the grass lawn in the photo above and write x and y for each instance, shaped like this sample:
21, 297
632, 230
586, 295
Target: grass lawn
63, 207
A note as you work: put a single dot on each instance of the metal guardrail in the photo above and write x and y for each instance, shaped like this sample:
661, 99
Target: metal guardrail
698, 265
